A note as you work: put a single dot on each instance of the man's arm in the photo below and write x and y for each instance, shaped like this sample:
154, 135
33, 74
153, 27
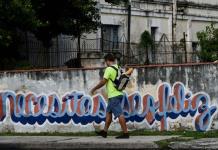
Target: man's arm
129, 71
99, 85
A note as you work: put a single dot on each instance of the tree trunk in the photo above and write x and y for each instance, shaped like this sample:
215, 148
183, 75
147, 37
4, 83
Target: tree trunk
147, 56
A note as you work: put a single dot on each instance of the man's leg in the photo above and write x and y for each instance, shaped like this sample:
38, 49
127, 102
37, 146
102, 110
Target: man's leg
122, 122
119, 113
108, 121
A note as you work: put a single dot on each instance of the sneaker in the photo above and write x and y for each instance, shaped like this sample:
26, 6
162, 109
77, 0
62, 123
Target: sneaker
123, 136
102, 133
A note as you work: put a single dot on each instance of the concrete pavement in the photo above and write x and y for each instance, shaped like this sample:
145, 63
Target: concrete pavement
98, 143
205, 143
67, 143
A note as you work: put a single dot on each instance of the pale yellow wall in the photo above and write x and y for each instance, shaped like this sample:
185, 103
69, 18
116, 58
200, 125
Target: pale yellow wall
199, 26
138, 26
195, 21
180, 28
204, 1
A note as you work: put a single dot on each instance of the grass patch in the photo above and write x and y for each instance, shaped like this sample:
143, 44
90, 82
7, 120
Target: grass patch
194, 134
111, 133
164, 144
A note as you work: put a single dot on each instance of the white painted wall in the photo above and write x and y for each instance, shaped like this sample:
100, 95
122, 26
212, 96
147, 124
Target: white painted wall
143, 81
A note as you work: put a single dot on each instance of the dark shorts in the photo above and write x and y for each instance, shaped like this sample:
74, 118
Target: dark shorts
114, 106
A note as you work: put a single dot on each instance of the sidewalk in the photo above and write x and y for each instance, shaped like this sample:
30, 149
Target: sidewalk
98, 143
204, 143
72, 143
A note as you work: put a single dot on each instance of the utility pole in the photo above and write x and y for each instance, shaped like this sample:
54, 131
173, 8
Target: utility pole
129, 33
79, 52
102, 39
185, 48
101, 30
174, 18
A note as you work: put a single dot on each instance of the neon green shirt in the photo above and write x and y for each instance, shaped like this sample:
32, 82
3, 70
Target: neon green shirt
110, 74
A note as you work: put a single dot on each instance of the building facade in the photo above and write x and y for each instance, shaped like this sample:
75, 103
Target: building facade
173, 25
167, 21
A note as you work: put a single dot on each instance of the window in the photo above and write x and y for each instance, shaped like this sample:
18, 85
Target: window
194, 46
110, 37
154, 33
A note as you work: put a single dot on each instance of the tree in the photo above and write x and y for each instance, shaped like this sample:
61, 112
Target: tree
70, 17
45, 19
116, 2
146, 43
208, 40
16, 16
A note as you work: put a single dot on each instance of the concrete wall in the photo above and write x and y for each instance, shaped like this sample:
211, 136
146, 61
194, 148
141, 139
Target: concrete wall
213, 2
157, 98
156, 14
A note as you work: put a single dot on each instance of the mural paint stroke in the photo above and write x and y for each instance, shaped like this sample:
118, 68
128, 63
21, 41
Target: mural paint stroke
84, 109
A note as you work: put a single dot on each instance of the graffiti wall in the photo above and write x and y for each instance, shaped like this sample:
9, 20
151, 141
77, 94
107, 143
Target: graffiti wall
157, 98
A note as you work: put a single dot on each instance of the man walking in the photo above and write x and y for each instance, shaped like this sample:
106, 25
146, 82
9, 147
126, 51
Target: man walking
114, 98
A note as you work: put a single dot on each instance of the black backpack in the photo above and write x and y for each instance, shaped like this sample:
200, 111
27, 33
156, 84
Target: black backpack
121, 79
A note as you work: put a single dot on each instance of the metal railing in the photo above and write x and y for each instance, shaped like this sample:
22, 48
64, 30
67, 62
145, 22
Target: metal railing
65, 49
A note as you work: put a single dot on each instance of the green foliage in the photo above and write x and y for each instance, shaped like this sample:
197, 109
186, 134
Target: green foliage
146, 43
146, 40
16, 16
45, 19
71, 17
116, 2
209, 43
143, 132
